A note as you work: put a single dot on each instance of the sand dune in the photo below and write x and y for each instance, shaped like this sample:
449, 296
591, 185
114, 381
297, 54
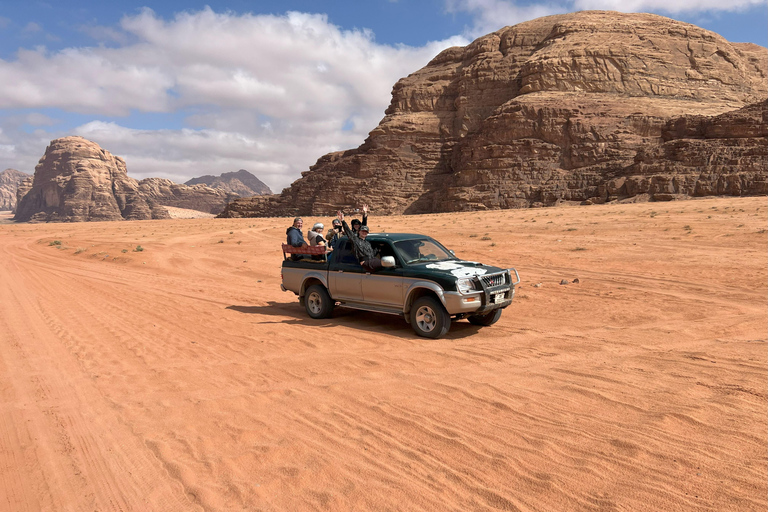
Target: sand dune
180, 377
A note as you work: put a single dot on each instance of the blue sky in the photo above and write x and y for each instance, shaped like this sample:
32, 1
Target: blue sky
181, 89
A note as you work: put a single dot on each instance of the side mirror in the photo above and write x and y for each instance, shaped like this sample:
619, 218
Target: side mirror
451, 251
388, 261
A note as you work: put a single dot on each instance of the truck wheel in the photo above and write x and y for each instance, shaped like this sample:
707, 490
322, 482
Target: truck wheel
317, 302
487, 319
429, 318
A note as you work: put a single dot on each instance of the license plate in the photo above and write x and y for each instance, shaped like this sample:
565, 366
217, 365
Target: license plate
498, 297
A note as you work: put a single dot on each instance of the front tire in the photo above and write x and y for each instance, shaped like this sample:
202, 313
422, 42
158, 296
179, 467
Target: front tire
487, 319
317, 302
429, 318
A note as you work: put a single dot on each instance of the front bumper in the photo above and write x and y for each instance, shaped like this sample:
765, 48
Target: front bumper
493, 291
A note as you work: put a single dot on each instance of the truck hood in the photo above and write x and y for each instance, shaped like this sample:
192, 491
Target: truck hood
458, 268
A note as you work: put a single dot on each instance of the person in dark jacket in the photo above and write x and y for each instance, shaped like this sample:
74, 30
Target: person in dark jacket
295, 238
363, 250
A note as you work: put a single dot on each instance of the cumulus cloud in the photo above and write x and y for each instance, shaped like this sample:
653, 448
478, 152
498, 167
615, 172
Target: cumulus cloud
491, 15
667, 6
262, 92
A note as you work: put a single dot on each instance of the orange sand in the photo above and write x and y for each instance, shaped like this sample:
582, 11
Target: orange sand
182, 378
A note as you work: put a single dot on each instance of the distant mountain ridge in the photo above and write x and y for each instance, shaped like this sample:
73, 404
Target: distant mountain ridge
76, 180
10, 179
241, 183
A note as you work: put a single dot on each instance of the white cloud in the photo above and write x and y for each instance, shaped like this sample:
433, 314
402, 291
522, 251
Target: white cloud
491, 15
667, 6
264, 93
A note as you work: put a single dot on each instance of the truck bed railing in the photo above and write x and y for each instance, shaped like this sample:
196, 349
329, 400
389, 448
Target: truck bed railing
311, 250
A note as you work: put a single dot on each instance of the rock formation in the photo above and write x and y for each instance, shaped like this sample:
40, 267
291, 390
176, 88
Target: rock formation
10, 179
576, 107
76, 180
197, 197
241, 183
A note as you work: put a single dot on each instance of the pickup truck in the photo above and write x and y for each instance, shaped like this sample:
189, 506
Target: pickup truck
420, 280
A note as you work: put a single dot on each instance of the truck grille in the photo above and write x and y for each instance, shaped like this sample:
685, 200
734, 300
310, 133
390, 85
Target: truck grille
494, 280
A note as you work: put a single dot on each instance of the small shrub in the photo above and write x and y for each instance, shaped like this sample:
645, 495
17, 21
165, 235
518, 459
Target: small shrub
124, 251
493, 244
485, 238
231, 232
571, 229
473, 235
138, 248
54, 242
79, 250
579, 249
221, 241
687, 227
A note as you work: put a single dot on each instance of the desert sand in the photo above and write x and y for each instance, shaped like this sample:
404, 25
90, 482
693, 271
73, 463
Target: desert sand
179, 377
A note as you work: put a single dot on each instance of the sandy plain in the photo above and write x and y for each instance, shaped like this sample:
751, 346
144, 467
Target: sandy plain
180, 377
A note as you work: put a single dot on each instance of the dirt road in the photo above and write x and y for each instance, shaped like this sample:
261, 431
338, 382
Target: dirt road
179, 377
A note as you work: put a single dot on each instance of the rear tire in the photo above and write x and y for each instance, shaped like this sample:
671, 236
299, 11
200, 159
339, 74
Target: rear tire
317, 302
429, 318
487, 319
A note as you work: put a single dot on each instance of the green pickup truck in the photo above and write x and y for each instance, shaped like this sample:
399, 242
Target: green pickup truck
421, 281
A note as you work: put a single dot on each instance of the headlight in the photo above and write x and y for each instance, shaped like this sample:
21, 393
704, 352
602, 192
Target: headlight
465, 284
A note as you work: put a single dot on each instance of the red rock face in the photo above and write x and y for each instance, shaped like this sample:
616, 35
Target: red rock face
551, 110
76, 180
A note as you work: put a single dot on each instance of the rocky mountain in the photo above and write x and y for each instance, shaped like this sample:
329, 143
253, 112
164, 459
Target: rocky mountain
76, 180
10, 179
580, 107
241, 183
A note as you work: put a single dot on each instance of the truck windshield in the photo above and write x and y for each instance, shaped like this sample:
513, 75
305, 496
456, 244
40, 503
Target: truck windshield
422, 249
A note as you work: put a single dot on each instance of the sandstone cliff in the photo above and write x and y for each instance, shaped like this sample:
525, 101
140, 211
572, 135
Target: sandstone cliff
76, 180
241, 183
561, 108
10, 179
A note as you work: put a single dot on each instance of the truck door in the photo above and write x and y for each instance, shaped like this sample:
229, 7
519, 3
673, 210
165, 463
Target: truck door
345, 274
385, 286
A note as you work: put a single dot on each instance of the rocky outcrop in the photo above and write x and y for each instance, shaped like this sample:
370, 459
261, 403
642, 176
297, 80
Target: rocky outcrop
76, 180
241, 183
160, 191
10, 179
561, 108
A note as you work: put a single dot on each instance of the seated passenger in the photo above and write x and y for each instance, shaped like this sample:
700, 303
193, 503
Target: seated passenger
295, 238
315, 235
363, 250
334, 234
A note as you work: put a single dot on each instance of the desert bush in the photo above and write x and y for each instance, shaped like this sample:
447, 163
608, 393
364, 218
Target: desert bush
138, 248
54, 242
485, 238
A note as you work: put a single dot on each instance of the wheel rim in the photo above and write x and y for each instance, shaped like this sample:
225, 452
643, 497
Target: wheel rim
426, 319
314, 302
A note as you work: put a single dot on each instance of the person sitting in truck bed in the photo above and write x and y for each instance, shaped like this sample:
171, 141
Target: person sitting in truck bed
334, 234
295, 238
363, 250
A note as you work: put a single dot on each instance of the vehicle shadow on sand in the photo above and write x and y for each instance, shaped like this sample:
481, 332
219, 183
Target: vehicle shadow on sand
354, 319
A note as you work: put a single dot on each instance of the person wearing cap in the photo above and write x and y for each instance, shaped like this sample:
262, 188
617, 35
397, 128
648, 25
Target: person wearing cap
356, 224
315, 235
295, 238
363, 250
